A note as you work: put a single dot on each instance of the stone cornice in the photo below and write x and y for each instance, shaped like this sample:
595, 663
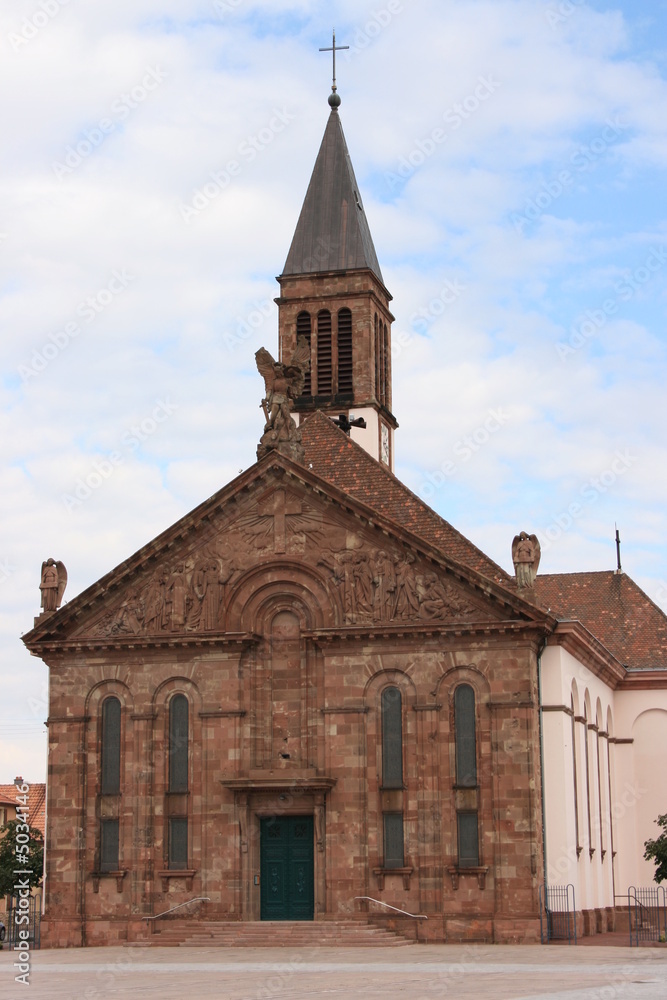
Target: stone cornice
644, 680
423, 630
93, 644
582, 644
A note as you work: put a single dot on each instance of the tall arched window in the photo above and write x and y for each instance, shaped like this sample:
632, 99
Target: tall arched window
464, 722
392, 775
385, 364
178, 744
344, 351
392, 738
324, 359
110, 782
178, 781
466, 775
575, 776
303, 329
110, 746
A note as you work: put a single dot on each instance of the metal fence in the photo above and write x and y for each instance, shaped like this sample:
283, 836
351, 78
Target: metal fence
647, 914
22, 917
557, 913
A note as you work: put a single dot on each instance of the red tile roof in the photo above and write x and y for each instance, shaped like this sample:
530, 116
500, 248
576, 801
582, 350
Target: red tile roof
342, 462
614, 609
36, 802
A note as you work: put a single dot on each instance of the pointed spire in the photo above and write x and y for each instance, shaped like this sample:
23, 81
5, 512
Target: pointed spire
332, 233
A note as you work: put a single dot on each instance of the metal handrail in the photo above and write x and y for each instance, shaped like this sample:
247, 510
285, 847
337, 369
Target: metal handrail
195, 899
415, 916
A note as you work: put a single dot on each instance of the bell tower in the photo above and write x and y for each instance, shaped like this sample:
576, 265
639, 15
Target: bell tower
333, 294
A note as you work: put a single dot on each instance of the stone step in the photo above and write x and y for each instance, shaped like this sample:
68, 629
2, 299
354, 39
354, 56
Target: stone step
272, 934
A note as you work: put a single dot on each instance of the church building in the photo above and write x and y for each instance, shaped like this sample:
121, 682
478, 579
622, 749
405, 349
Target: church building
313, 689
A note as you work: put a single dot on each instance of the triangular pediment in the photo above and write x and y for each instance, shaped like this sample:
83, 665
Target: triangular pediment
278, 523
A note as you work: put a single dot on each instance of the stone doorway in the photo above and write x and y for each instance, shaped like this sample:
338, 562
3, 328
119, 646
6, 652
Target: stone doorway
286, 868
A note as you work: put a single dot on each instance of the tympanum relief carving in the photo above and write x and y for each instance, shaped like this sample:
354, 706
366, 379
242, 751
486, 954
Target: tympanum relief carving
187, 593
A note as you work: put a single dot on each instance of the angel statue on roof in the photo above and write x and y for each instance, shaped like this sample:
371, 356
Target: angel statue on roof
52, 584
283, 383
526, 554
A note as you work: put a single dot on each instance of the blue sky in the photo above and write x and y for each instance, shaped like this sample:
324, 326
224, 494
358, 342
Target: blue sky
511, 156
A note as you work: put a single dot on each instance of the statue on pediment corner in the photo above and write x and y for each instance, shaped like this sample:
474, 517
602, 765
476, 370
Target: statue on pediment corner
526, 554
283, 384
52, 584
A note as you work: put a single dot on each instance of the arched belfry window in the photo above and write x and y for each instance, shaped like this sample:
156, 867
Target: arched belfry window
178, 744
324, 355
303, 329
110, 747
467, 818
464, 723
344, 351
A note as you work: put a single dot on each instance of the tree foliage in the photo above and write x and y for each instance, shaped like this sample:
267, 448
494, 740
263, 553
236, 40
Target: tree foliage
656, 850
13, 856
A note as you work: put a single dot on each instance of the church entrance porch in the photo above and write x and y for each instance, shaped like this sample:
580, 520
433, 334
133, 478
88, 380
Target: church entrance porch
286, 868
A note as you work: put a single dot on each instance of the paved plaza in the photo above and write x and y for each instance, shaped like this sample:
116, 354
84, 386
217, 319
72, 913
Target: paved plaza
420, 972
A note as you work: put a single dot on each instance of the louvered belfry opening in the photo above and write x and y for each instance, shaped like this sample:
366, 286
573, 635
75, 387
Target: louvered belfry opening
381, 337
345, 351
324, 356
303, 329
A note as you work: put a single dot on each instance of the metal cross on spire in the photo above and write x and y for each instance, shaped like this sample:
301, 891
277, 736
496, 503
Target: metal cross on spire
334, 48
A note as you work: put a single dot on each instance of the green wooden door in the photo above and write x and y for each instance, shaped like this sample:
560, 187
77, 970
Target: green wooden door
286, 880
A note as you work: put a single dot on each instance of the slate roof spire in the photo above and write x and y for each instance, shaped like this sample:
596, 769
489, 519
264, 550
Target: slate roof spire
332, 233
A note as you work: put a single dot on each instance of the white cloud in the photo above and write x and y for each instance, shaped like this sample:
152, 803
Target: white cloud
200, 300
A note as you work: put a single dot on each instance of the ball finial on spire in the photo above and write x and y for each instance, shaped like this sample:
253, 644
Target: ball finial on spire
334, 99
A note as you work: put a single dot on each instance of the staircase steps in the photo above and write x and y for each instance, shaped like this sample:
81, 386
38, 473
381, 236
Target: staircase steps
274, 934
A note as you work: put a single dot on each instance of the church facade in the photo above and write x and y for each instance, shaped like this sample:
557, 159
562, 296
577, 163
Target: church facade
313, 689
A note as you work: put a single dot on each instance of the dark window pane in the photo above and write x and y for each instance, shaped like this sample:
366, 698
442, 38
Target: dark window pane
111, 747
178, 842
303, 329
178, 744
393, 840
464, 723
468, 844
392, 738
345, 351
324, 372
109, 845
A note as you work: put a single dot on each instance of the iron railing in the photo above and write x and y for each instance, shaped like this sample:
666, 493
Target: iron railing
195, 899
558, 920
22, 917
647, 914
415, 916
